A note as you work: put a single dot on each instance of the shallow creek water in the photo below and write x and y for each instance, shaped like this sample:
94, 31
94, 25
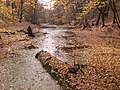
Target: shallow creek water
19, 70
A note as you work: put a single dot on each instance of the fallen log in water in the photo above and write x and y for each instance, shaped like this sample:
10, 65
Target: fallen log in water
60, 70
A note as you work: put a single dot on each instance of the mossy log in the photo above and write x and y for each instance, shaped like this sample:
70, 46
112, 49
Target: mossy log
58, 69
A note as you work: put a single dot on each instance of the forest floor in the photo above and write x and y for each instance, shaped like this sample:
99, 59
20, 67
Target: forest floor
103, 59
97, 48
19, 70
13, 37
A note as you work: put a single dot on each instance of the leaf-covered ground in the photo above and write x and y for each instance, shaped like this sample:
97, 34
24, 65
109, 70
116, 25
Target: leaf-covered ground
103, 64
98, 49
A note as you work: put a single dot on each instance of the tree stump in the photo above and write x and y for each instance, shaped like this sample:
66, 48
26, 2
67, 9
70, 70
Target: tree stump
1, 43
30, 33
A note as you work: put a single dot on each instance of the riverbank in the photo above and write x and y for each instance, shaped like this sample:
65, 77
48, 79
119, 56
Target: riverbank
96, 50
100, 72
19, 70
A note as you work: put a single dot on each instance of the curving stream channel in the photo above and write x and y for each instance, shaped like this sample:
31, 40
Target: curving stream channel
19, 70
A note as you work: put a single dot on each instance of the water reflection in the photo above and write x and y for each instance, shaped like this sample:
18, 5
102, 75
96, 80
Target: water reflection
63, 43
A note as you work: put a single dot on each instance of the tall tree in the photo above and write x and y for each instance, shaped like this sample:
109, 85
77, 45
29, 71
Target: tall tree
21, 10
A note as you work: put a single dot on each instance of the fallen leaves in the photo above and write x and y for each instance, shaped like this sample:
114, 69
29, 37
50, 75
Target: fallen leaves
102, 70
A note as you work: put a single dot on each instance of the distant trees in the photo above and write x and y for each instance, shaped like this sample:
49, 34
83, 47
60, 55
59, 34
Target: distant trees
83, 11
104, 6
69, 10
75, 12
18, 10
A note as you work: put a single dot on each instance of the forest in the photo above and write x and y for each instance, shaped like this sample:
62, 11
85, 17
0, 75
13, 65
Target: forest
59, 44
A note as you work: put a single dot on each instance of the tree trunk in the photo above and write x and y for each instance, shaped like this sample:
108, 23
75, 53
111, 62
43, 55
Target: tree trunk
97, 23
13, 7
102, 13
103, 20
34, 19
21, 10
115, 12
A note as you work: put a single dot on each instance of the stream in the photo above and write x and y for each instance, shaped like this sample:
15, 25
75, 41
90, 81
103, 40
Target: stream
19, 70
